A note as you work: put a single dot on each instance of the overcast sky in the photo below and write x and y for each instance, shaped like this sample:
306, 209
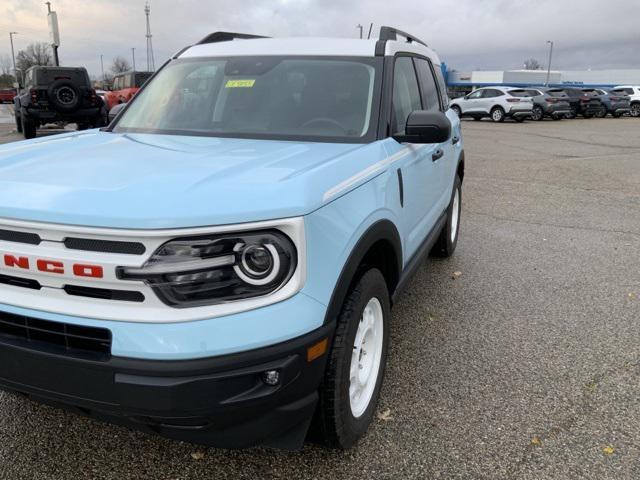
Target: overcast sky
468, 34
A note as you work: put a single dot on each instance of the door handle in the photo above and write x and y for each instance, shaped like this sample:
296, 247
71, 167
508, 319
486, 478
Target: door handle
438, 154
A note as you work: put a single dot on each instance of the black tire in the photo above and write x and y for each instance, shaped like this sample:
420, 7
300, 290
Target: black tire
29, 128
447, 242
497, 114
635, 109
602, 113
64, 95
538, 113
18, 124
335, 425
457, 110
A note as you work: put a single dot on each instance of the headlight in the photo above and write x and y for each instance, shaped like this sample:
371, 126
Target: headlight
192, 272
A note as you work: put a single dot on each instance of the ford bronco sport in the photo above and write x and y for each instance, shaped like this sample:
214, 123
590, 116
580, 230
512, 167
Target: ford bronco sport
57, 94
218, 265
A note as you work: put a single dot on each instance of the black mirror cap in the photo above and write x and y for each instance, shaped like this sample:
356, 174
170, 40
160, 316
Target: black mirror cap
426, 127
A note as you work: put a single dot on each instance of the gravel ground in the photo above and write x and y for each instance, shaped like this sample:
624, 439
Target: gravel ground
526, 366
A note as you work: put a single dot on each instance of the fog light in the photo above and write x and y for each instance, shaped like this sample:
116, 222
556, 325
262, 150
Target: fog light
271, 377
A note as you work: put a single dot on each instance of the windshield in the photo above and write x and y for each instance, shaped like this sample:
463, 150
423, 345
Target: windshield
258, 97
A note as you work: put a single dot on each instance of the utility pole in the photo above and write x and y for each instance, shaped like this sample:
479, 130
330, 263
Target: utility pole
150, 60
13, 55
550, 43
54, 32
360, 27
133, 55
102, 69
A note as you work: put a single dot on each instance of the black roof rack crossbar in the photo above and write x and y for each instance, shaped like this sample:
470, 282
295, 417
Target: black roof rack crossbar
216, 37
390, 33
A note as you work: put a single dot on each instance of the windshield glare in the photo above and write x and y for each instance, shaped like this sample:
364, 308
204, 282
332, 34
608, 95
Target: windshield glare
257, 96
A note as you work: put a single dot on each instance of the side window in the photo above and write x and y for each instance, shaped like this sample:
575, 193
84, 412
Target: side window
406, 94
430, 95
477, 94
490, 93
444, 95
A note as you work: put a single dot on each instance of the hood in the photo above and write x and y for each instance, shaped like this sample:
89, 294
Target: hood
148, 181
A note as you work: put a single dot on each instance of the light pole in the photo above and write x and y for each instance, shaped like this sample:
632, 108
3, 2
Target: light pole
13, 55
360, 27
133, 54
102, 69
550, 43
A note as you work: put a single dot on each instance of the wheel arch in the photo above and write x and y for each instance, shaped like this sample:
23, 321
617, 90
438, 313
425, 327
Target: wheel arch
380, 247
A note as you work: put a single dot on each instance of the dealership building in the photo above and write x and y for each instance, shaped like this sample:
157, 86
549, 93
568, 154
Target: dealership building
463, 82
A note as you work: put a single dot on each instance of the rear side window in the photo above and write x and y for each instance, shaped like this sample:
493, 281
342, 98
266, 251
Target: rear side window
406, 94
444, 96
628, 91
520, 93
491, 93
430, 94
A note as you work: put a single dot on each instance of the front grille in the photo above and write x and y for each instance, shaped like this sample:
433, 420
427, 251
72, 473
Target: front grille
20, 237
20, 282
104, 293
55, 337
104, 246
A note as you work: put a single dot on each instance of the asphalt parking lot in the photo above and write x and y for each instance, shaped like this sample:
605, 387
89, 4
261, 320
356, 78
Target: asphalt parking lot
525, 366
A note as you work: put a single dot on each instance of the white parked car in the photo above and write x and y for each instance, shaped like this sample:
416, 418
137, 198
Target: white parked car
496, 103
634, 96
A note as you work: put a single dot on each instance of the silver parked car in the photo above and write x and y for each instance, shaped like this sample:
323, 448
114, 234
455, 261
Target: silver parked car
545, 105
496, 103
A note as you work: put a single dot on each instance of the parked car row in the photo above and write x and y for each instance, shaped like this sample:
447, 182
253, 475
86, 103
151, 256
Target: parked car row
537, 103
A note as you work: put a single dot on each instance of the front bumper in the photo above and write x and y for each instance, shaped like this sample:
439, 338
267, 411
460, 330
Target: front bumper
220, 401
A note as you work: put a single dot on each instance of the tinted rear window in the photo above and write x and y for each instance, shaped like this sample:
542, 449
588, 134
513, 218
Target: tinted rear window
50, 75
557, 93
519, 93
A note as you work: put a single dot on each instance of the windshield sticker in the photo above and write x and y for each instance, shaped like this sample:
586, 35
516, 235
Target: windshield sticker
239, 83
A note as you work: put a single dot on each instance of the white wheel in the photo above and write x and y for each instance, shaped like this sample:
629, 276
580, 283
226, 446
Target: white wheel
497, 115
365, 358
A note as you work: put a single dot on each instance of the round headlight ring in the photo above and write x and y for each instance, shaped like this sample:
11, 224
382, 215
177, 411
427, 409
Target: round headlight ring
250, 276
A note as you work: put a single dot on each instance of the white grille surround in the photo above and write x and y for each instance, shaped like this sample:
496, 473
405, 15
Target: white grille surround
52, 297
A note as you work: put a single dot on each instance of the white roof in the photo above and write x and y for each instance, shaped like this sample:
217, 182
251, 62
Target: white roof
308, 46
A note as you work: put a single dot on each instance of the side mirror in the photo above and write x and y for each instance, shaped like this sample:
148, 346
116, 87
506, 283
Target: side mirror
426, 127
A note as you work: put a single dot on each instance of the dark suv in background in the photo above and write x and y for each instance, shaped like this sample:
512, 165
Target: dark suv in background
614, 103
581, 103
545, 105
57, 94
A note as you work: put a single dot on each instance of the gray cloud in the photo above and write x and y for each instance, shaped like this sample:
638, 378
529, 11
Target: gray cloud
490, 34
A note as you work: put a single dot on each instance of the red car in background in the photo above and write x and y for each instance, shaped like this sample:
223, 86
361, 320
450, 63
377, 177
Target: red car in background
125, 85
7, 94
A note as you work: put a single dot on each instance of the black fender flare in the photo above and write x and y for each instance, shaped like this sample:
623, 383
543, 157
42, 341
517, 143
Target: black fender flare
381, 230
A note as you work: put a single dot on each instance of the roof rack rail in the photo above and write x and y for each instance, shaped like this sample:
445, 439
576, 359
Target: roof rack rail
391, 33
216, 37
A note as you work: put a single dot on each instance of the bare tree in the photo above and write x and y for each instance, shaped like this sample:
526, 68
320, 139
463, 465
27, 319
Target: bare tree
532, 64
6, 66
119, 65
38, 53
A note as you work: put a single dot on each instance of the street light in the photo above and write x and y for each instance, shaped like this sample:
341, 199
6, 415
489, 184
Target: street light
13, 55
550, 43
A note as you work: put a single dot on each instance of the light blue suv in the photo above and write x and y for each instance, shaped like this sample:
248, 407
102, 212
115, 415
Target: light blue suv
218, 265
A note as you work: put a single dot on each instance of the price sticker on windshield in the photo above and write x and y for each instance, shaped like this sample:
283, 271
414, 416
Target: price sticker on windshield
239, 83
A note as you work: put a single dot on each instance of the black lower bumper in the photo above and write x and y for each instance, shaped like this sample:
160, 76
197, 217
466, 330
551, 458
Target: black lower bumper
82, 115
221, 401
